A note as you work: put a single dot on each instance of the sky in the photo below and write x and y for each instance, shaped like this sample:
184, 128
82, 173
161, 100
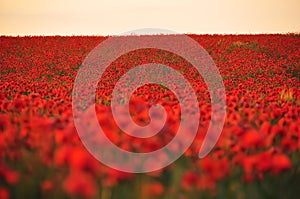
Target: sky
109, 17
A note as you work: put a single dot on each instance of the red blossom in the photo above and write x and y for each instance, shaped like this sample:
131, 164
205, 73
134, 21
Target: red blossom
154, 189
37, 131
4, 194
251, 139
280, 162
190, 180
80, 184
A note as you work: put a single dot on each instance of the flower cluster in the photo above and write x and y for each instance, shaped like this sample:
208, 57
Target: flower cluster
41, 155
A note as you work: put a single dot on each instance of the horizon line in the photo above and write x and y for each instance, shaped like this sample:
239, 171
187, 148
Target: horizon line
143, 34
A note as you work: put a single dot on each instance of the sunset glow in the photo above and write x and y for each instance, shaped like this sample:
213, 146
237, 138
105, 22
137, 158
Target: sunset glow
105, 17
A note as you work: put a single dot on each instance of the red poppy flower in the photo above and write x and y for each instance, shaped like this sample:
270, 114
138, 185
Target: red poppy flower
251, 139
189, 180
4, 194
154, 189
280, 162
80, 184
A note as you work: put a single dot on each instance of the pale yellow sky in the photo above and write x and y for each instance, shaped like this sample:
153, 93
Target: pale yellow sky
103, 17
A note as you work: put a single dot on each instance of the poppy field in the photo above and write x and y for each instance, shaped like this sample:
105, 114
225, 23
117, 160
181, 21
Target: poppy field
257, 154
